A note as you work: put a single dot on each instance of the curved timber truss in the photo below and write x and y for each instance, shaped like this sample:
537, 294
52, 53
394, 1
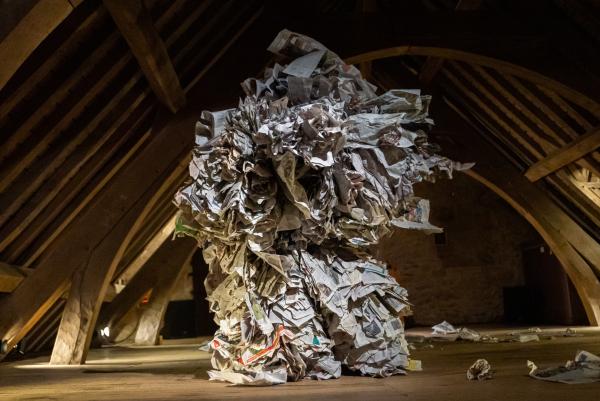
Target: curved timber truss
552, 129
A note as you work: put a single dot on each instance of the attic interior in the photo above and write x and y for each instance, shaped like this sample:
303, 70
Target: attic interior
99, 101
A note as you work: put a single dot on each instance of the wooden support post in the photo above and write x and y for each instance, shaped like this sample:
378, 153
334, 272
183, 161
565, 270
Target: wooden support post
570, 153
88, 285
159, 269
117, 314
136, 26
153, 313
90, 281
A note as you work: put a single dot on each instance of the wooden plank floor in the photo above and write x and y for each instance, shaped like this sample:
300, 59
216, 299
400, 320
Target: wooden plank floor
178, 372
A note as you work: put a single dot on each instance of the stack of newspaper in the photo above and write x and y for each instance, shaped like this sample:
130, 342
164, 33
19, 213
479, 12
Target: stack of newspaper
287, 193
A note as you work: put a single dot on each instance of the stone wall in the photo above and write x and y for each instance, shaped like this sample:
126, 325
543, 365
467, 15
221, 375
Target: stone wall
462, 280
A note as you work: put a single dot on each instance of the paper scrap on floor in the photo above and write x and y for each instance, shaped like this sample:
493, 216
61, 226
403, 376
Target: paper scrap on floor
445, 331
480, 370
585, 368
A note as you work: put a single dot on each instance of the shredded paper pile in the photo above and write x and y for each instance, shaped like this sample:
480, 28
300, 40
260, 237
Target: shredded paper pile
287, 194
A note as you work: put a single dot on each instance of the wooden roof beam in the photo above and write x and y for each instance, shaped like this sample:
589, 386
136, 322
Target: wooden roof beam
564, 156
28, 33
136, 26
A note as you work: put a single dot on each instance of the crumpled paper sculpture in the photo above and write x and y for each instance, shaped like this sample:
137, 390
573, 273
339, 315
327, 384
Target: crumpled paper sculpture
287, 193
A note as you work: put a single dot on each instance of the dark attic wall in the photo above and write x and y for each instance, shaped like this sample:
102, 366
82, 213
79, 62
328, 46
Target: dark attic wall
461, 281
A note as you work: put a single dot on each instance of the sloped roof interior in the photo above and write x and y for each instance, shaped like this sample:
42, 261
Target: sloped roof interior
80, 108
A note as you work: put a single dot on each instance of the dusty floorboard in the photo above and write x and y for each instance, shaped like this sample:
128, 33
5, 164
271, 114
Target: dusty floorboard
178, 372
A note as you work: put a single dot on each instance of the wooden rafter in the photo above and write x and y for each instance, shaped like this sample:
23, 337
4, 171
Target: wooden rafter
41, 169
540, 104
90, 24
136, 26
86, 241
531, 153
154, 222
25, 155
29, 32
51, 197
542, 133
555, 96
564, 156
45, 329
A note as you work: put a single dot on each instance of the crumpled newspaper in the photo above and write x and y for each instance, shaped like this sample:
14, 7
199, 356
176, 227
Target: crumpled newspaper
585, 368
287, 192
480, 370
444, 328
447, 332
